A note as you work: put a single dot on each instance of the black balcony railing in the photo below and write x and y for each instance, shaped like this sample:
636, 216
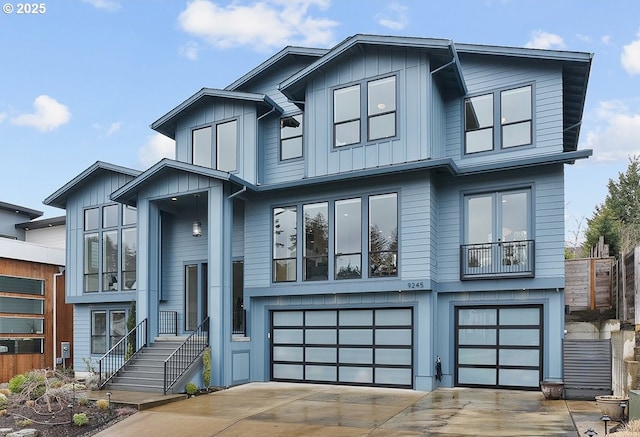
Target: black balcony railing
168, 323
120, 354
501, 259
239, 321
180, 360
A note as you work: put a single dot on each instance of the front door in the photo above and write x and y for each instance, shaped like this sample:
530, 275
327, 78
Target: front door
195, 295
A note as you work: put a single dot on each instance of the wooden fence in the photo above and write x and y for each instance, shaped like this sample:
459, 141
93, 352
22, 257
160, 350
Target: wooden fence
589, 283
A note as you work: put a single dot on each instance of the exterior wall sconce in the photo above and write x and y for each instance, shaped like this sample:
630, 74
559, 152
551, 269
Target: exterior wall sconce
197, 225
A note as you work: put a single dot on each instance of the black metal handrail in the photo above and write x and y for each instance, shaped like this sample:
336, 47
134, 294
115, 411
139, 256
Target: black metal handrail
168, 323
500, 259
180, 360
121, 353
239, 321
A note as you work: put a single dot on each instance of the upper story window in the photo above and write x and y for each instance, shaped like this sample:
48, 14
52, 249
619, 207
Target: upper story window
341, 256
503, 118
110, 250
379, 105
291, 137
224, 148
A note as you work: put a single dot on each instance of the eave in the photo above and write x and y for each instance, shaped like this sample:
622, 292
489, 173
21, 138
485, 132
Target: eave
31, 213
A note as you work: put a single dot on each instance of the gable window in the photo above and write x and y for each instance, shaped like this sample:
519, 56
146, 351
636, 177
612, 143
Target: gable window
498, 233
226, 146
291, 137
346, 116
284, 244
381, 105
110, 250
348, 239
316, 241
508, 125
383, 235
201, 147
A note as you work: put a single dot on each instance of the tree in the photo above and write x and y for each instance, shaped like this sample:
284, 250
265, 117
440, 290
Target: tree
624, 194
603, 223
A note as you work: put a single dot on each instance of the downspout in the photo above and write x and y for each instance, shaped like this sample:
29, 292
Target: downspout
231, 196
55, 314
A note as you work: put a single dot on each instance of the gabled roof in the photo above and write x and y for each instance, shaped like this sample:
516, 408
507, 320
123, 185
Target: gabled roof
31, 213
166, 124
59, 198
274, 61
293, 86
128, 193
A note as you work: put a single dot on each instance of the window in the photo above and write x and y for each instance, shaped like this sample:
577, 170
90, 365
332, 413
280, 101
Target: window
316, 241
380, 107
110, 250
201, 146
515, 114
284, 244
98, 332
383, 235
291, 137
227, 145
117, 326
348, 239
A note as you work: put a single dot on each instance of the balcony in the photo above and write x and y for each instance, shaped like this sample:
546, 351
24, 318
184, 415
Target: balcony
497, 260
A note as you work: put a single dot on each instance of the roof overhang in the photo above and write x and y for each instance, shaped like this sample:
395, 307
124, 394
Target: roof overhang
44, 223
31, 213
166, 124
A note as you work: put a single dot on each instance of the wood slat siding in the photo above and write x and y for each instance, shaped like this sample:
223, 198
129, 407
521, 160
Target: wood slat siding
588, 283
587, 368
12, 364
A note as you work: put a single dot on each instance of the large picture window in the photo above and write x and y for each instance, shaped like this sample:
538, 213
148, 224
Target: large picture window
316, 241
285, 244
503, 118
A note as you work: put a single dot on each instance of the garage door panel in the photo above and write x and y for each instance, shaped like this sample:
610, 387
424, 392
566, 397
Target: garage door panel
519, 377
287, 336
519, 337
519, 357
320, 336
477, 356
321, 354
391, 375
321, 318
283, 353
360, 375
476, 376
393, 356
321, 373
356, 317
477, 336
393, 336
289, 318
356, 336
356, 356
288, 371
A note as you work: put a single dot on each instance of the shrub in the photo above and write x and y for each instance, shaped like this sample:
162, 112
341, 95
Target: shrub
3, 401
3, 413
56, 383
5, 391
16, 383
191, 388
23, 423
82, 401
30, 403
206, 371
80, 419
102, 404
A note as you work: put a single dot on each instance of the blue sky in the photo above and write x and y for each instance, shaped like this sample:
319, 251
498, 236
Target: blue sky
83, 80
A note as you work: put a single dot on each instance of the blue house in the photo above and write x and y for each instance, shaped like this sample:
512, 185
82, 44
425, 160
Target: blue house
350, 216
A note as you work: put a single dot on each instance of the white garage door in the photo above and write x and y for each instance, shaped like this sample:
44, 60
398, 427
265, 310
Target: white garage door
372, 347
499, 346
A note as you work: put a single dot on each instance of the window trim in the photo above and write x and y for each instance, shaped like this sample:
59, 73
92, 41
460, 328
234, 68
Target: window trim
107, 328
214, 149
497, 126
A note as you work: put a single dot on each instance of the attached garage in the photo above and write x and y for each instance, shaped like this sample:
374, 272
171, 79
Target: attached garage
499, 346
370, 347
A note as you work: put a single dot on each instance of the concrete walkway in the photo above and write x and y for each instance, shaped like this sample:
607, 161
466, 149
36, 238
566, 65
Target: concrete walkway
278, 409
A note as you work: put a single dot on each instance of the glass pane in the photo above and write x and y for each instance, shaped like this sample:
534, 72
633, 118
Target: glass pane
316, 241
291, 127
321, 373
477, 316
477, 336
346, 104
479, 219
519, 378
227, 146
202, 147
110, 260
117, 326
320, 336
347, 133
320, 318
515, 216
520, 337
287, 336
321, 354
91, 219
291, 148
382, 95
348, 226
520, 316
21, 306
91, 255
467, 375
479, 140
191, 298
129, 215
348, 267
287, 318
393, 376
110, 216
91, 283
516, 134
393, 317
22, 345
15, 325
356, 318
129, 256
393, 356
515, 105
281, 353
477, 356
284, 232
478, 112
393, 336
382, 126
519, 357
288, 371
284, 270
356, 374
356, 356
356, 336
13, 284
383, 235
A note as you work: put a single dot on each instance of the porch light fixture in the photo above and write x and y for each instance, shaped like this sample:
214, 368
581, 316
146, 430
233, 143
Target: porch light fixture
197, 225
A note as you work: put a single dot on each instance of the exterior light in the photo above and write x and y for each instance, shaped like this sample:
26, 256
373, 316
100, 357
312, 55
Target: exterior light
606, 420
590, 432
197, 226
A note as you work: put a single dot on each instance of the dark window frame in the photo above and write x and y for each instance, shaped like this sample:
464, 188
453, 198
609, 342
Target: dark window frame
298, 118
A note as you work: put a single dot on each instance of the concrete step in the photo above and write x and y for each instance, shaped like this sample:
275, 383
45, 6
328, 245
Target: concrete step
142, 388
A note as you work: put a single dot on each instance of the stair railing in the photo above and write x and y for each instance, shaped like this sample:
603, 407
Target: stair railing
121, 353
179, 361
168, 323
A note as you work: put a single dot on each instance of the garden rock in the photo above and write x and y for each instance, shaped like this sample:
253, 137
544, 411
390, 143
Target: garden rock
27, 432
5, 431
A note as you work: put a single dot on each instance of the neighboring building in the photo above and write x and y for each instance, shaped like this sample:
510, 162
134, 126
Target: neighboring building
369, 209
34, 318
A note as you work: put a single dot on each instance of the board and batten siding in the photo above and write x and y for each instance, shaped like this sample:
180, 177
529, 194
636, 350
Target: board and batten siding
413, 90
547, 185
81, 336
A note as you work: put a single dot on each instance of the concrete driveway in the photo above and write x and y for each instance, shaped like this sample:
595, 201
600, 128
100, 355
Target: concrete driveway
280, 409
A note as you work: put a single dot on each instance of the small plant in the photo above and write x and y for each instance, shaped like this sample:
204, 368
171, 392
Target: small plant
80, 419
16, 383
206, 370
3, 401
30, 403
89, 365
56, 383
191, 389
102, 404
83, 401
3, 413
23, 423
5, 391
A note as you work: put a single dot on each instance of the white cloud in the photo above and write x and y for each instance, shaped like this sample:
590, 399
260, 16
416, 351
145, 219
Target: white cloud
583, 38
605, 39
3, 115
49, 115
545, 40
157, 147
107, 5
617, 137
190, 51
115, 127
395, 17
263, 25
630, 56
